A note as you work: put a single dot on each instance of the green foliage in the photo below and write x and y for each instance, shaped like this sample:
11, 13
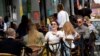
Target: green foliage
28, 6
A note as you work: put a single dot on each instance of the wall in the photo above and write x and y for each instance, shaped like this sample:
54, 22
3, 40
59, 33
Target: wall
66, 5
34, 7
2, 8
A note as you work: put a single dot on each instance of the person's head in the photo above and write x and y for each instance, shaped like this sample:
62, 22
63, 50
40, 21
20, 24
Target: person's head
60, 7
54, 25
68, 28
11, 32
13, 25
24, 19
80, 20
86, 4
87, 19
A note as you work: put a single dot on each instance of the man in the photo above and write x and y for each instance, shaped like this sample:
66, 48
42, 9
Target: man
10, 45
82, 29
84, 32
84, 11
62, 16
3, 27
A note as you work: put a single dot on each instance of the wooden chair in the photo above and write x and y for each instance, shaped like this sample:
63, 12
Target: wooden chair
36, 49
75, 51
23, 51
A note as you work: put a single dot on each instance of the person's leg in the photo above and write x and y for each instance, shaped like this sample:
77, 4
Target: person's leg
92, 49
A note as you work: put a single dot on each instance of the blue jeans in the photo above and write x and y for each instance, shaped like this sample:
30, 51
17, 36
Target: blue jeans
66, 49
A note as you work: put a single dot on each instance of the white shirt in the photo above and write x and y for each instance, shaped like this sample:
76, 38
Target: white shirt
71, 36
62, 18
5, 26
53, 38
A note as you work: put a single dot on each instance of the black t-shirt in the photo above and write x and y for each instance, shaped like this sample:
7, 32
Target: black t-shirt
12, 46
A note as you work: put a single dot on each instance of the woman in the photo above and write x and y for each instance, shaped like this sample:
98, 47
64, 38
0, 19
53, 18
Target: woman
53, 37
34, 39
22, 29
90, 25
90, 43
69, 36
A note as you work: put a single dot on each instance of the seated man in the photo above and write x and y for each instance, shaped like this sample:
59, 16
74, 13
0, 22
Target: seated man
10, 45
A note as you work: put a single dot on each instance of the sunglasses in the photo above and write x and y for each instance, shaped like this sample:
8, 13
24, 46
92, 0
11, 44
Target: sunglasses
53, 24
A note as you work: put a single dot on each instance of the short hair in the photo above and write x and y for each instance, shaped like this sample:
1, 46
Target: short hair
60, 7
10, 32
80, 17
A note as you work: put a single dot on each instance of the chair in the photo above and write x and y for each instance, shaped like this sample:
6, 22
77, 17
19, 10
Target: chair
50, 49
23, 51
36, 49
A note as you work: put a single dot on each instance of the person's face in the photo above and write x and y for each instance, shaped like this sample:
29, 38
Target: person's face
54, 25
79, 22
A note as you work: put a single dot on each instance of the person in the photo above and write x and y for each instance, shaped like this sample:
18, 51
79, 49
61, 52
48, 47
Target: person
62, 16
22, 29
3, 27
53, 37
73, 20
13, 25
11, 45
6, 20
84, 33
70, 35
93, 33
84, 11
90, 25
34, 39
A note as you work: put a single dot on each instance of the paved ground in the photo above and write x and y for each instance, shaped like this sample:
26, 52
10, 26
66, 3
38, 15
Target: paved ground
97, 47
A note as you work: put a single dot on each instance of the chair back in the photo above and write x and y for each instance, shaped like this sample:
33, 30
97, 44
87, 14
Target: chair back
23, 51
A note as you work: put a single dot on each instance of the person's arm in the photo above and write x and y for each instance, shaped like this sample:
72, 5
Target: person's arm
94, 29
77, 36
59, 20
46, 36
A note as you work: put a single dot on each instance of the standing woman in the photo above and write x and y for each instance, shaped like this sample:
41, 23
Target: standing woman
53, 37
69, 36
